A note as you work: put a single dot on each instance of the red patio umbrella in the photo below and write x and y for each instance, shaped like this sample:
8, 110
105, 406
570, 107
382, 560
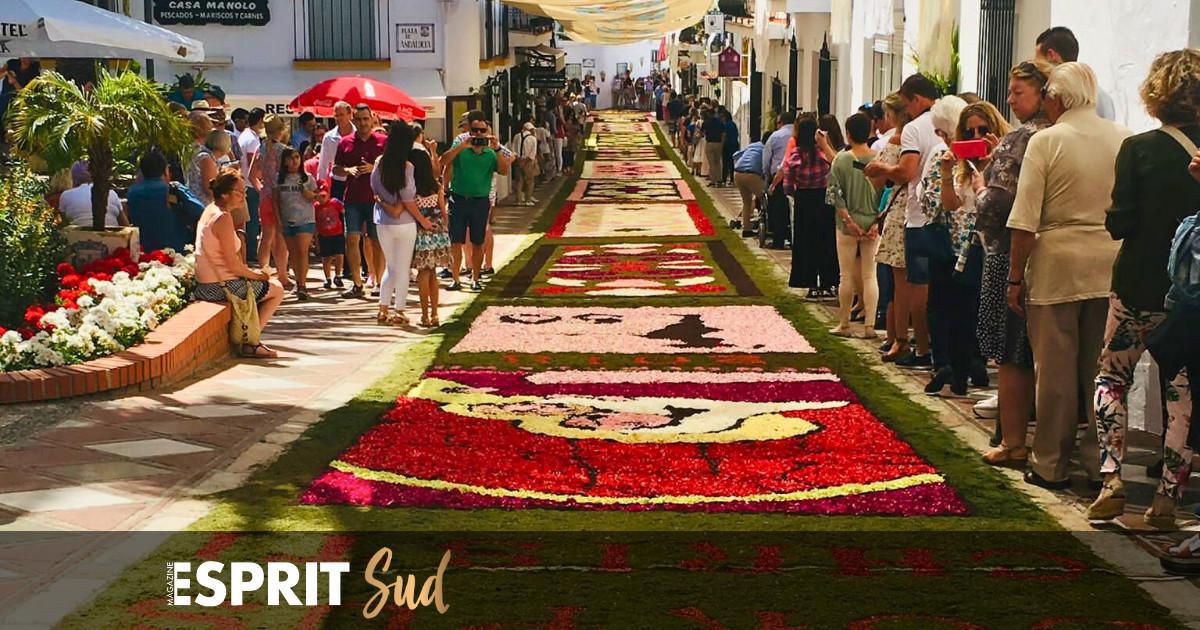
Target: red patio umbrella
385, 99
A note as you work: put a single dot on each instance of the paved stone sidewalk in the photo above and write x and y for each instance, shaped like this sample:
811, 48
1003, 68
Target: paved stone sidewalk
144, 462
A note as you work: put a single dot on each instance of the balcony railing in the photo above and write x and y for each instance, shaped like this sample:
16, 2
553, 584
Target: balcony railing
522, 22
342, 30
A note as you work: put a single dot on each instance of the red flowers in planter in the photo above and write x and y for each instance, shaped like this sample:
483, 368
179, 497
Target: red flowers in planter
119, 260
158, 256
34, 313
73, 283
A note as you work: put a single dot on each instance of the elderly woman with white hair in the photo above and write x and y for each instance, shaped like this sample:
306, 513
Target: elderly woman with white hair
947, 326
1060, 269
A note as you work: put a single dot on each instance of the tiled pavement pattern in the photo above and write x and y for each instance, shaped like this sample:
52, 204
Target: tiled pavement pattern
1143, 448
143, 462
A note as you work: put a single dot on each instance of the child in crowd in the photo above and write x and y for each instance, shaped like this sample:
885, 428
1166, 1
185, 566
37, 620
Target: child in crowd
311, 160
433, 246
331, 234
293, 204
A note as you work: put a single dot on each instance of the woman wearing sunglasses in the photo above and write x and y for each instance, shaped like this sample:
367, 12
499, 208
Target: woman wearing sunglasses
954, 282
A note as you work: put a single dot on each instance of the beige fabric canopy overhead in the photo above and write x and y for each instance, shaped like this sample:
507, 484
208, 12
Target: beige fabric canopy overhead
618, 21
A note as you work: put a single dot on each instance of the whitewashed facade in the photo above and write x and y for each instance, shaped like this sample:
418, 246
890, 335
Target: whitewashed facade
266, 66
1118, 39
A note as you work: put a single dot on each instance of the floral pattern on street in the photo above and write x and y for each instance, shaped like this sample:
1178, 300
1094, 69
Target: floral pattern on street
638, 330
623, 127
661, 169
624, 220
468, 439
650, 190
622, 140
631, 270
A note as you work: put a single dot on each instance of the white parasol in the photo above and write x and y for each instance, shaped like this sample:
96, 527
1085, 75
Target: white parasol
69, 28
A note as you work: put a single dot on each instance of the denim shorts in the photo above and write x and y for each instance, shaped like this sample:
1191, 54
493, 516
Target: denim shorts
358, 214
290, 229
917, 265
468, 214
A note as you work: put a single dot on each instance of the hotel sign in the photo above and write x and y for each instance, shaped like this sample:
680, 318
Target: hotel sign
415, 38
201, 12
10, 31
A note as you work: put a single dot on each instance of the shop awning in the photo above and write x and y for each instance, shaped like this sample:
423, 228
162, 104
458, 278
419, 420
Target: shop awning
543, 55
273, 90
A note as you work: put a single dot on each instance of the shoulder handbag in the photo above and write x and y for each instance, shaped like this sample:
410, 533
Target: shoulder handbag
1181, 138
244, 327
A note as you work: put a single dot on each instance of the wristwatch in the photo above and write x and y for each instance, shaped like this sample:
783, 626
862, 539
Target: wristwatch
1017, 282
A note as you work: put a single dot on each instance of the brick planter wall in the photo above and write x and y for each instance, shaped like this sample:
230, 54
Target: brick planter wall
191, 339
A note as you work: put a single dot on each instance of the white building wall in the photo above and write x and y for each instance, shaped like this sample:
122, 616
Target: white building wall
968, 46
1118, 39
912, 31
256, 63
637, 55
461, 58
251, 47
811, 31
1032, 18
1119, 43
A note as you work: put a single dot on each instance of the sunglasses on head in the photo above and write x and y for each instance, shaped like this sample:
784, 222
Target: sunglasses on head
970, 133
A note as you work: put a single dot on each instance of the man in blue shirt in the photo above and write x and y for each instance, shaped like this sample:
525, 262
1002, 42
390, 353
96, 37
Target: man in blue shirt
306, 125
749, 178
186, 93
778, 207
165, 215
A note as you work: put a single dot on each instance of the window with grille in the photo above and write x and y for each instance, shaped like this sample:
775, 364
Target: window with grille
493, 39
997, 25
342, 30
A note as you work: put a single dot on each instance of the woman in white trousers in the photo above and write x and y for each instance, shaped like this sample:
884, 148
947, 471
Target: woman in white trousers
396, 217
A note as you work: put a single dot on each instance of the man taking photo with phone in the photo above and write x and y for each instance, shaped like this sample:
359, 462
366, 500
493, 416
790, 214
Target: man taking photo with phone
469, 169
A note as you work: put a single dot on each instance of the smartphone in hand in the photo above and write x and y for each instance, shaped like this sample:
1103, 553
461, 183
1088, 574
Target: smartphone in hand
970, 149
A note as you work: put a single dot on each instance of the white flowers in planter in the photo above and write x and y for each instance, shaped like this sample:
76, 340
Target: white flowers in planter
98, 313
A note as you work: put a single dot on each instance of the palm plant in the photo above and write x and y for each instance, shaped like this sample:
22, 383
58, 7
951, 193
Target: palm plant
121, 117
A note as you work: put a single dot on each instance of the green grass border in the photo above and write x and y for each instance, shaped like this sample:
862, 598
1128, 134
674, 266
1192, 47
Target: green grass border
268, 501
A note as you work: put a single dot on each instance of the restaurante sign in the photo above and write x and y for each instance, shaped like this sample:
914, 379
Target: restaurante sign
198, 12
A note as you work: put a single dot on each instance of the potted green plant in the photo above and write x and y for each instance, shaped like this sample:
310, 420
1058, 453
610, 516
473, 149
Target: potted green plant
120, 118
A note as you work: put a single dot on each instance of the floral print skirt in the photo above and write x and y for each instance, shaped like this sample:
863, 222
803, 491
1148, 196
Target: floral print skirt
433, 246
891, 241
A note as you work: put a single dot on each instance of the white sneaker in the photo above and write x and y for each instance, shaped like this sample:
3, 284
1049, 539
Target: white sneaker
988, 408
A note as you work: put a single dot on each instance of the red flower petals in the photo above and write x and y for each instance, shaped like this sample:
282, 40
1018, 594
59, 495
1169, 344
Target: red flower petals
502, 464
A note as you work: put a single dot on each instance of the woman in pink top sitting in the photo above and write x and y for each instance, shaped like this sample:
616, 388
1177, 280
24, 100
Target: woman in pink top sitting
219, 260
